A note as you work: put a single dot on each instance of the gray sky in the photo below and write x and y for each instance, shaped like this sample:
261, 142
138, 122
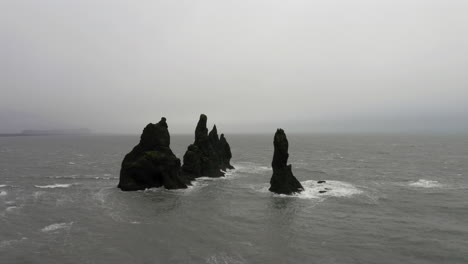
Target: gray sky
250, 65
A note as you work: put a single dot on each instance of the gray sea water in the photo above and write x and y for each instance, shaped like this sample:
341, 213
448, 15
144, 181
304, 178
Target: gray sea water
393, 199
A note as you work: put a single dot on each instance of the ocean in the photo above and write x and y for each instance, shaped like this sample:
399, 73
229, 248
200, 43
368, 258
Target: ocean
392, 199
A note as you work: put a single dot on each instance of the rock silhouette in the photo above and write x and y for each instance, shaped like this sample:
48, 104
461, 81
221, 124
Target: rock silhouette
225, 153
209, 155
152, 163
282, 180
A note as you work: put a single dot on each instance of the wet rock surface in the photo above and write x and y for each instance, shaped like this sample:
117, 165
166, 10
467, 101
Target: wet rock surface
283, 180
209, 155
152, 163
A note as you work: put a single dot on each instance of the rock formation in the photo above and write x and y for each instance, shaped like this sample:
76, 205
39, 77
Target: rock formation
209, 155
283, 181
225, 152
152, 163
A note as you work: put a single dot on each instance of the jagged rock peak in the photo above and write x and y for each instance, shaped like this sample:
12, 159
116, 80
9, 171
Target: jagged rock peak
152, 163
214, 138
155, 135
201, 131
282, 181
225, 150
213, 132
207, 156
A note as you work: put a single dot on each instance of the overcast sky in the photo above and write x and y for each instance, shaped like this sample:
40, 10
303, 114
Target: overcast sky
250, 65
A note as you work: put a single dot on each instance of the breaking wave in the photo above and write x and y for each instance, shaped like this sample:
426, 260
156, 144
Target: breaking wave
196, 185
57, 226
422, 183
315, 190
11, 208
52, 186
85, 177
250, 167
312, 189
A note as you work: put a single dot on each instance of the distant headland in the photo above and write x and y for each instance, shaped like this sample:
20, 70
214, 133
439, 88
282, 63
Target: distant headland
51, 132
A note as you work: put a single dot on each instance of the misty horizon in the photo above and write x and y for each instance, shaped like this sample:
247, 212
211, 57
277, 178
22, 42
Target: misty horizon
251, 66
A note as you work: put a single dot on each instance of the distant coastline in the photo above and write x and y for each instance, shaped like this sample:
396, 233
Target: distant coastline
52, 132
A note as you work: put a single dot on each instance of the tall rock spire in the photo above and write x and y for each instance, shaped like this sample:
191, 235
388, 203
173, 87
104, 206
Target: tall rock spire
282, 181
208, 155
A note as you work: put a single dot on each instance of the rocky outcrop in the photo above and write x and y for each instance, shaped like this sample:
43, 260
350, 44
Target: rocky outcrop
283, 181
209, 155
225, 153
152, 163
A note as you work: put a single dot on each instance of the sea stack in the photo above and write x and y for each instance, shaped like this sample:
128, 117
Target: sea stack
209, 155
283, 181
152, 163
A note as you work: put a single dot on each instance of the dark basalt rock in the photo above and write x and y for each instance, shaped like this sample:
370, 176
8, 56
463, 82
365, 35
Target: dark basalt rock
209, 155
319, 182
152, 163
226, 155
283, 181
322, 191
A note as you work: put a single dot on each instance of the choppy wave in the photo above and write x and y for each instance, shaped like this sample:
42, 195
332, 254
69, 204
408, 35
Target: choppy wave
206, 178
3, 185
422, 183
196, 185
250, 167
223, 258
85, 177
7, 243
38, 194
314, 190
57, 226
52, 186
11, 208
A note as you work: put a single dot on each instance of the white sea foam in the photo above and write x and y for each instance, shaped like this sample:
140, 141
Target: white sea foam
312, 190
196, 185
63, 177
223, 258
207, 178
11, 208
422, 183
86, 177
3, 193
57, 226
250, 167
3, 185
7, 243
52, 186
333, 189
38, 194
71, 163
